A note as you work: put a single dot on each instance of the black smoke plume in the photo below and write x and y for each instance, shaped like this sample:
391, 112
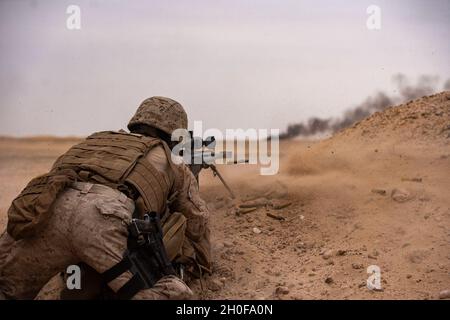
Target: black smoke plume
425, 85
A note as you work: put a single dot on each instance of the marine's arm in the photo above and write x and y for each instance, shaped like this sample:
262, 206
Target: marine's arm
192, 206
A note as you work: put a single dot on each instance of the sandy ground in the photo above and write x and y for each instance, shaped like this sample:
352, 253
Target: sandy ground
374, 194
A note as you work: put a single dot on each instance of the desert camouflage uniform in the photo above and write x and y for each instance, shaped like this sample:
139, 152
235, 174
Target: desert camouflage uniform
89, 224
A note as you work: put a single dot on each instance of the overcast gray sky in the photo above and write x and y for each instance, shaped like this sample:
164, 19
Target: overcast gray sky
232, 64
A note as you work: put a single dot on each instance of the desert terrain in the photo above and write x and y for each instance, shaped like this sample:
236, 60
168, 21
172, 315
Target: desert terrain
376, 193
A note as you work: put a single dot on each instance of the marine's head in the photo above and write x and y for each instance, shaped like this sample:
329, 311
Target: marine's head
162, 114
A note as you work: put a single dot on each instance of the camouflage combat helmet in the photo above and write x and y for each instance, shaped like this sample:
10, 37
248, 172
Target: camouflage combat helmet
162, 113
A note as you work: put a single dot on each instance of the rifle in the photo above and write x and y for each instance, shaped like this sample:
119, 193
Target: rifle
146, 250
203, 156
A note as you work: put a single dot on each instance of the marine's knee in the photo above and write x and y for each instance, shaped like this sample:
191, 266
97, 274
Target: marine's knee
167, 288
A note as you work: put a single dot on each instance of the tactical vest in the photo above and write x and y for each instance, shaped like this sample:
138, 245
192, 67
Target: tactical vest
117, 159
